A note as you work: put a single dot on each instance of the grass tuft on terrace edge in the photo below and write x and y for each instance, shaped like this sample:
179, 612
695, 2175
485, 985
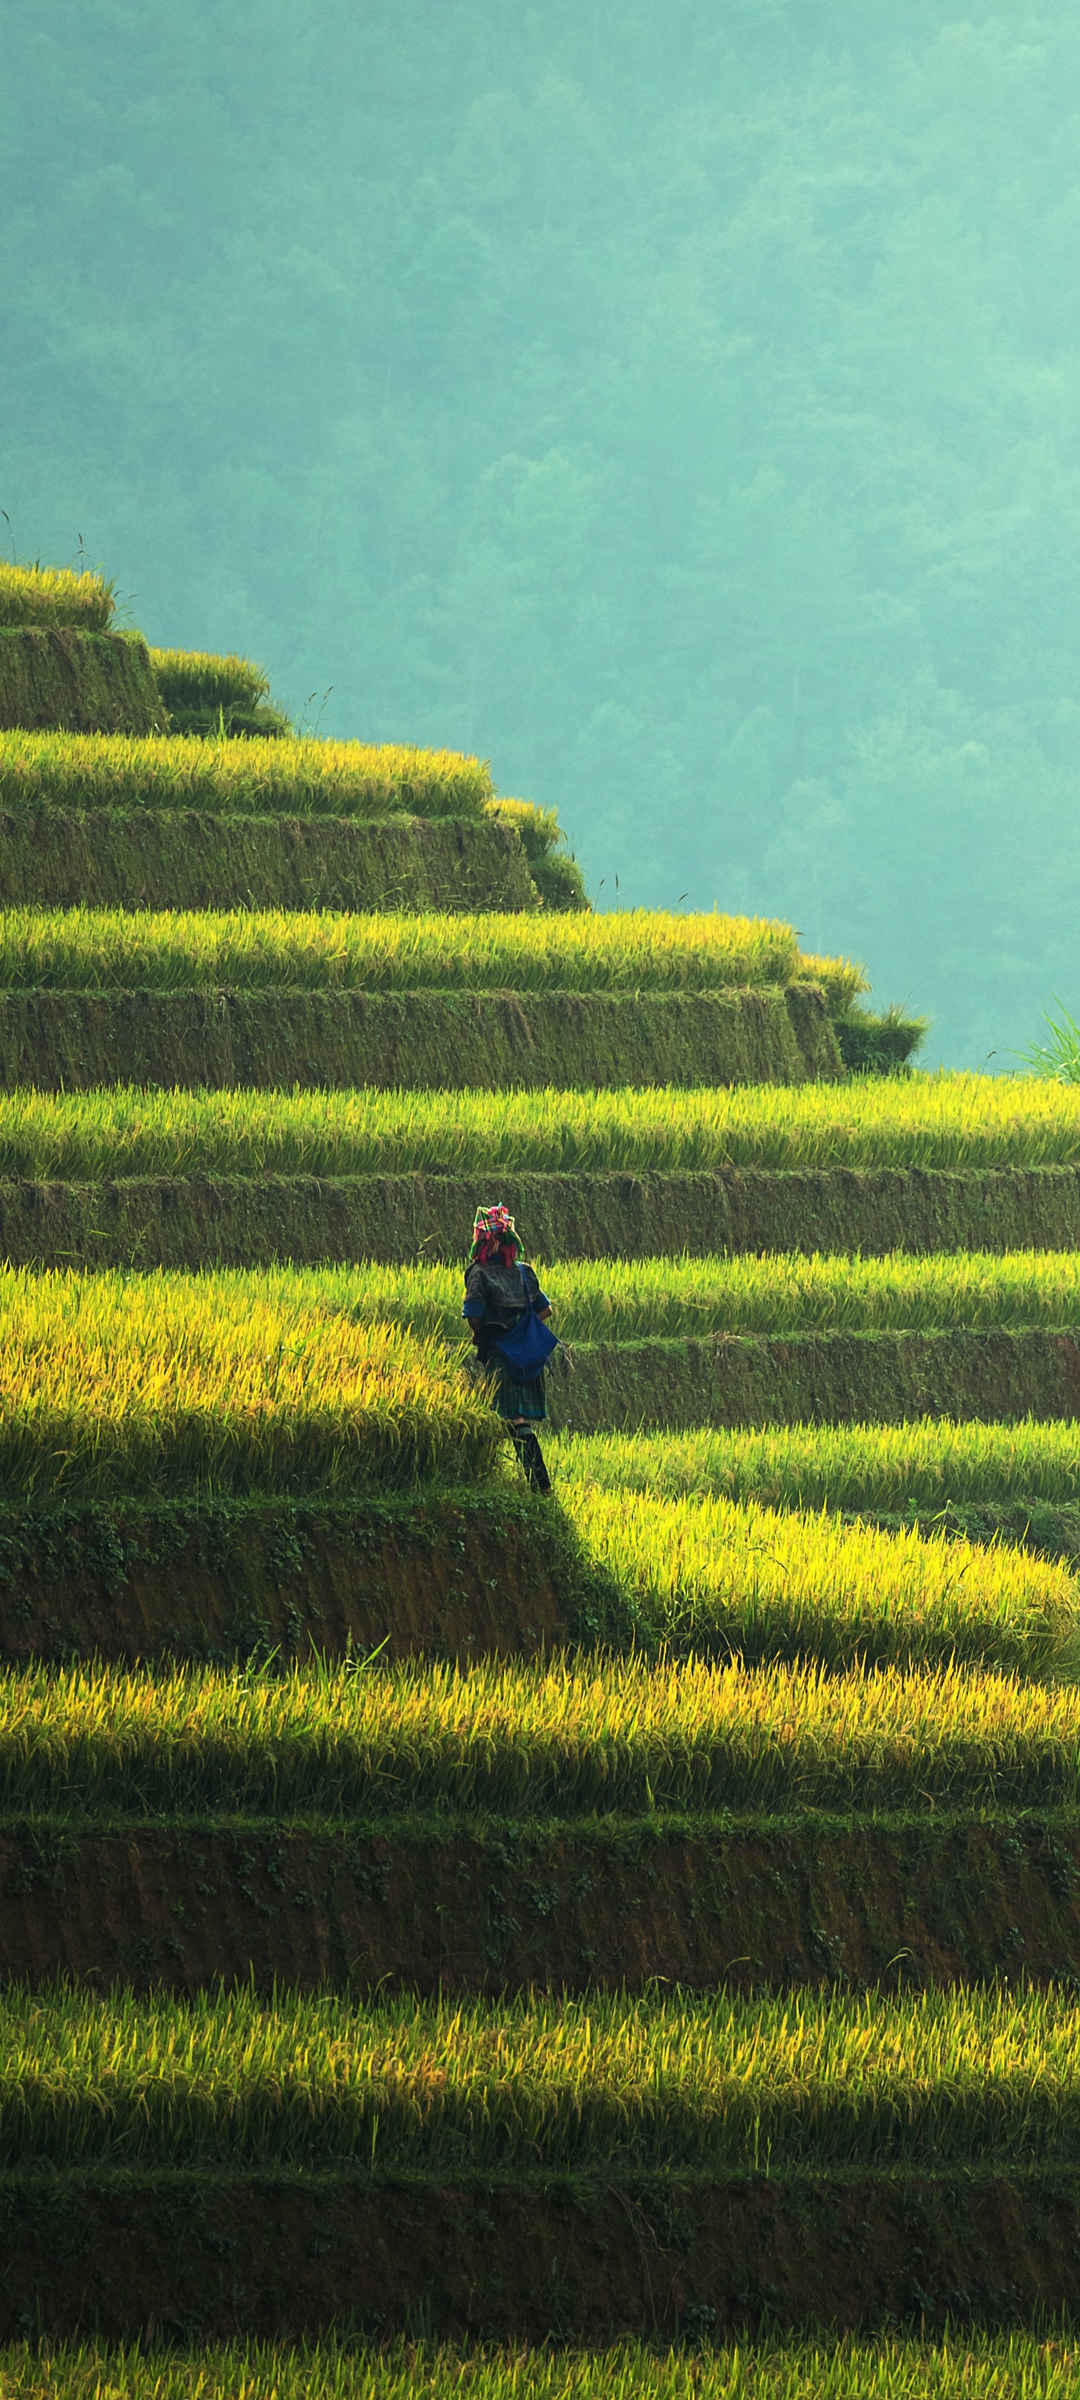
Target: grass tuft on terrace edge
94, 949
55, 596
604, 2085
573, 1738
293, 777
141, 1386
972, 2365
951, 1123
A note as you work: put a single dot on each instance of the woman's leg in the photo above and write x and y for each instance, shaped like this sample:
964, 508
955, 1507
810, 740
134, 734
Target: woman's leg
530, 1454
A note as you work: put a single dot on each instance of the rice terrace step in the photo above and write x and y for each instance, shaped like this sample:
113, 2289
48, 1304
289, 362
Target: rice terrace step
431, 1913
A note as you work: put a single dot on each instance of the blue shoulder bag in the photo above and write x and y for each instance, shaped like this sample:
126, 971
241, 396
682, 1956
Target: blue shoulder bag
528, 1348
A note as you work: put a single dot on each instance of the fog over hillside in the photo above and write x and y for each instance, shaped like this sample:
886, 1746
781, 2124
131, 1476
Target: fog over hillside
676, 406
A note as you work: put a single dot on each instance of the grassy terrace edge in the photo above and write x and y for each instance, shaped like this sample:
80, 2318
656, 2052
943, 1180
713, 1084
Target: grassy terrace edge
877, 1901
946, 1129
183, 858
255, 1216
75, 1041
56, 675
618, 1571
227, 2255
298, 777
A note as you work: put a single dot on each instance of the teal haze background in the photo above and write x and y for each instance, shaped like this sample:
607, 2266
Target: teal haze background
676, 405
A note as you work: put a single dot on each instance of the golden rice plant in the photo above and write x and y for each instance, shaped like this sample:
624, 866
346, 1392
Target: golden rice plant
630, 1300
201, 679
956, 1122
931, 1464
968, 2365
723, 1577
136, 1386
286, 777
608, 2084
581, 1734
55, 596
80, 949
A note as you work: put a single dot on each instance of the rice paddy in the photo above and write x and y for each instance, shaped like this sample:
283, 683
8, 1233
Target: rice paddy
568, 1739
294, 777
966, 2366
953, 1123
59, 596
638, 1300
90, 949
119, 1386
202, 679
697, 1648
608, 2085
929, 1464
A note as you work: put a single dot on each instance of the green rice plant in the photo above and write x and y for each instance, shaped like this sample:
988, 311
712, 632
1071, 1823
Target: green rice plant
92, 949
134, 1387
929, 1464
597, 2086
881, 1044
969, 2365
296, 778
959, 1124
624, 1300
55, 596
839, 978
578, 1736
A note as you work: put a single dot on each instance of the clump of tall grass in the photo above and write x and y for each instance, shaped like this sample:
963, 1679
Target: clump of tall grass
298, 778
953, 1122
1057, 1059
55, 596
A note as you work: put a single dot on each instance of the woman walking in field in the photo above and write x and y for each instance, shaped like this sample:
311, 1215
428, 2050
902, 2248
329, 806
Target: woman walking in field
505, 1305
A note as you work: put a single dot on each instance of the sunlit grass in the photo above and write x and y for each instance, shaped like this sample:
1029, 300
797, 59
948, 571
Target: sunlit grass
929, 1464
55, 596
577, 1736
942, 1121
131, 1385
291, 777
610, 2083
80, 949
970, 2365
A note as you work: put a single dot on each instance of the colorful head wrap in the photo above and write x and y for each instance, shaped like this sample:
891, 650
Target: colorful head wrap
493, 1229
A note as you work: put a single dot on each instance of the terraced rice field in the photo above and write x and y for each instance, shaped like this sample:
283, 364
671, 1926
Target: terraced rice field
651, 1913
91, 949
974, 2367
953, 1124
302, 778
